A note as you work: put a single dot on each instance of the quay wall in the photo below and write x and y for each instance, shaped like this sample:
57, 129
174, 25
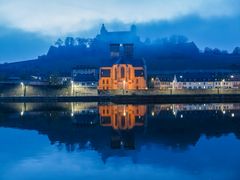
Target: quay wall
13, 90
131, 99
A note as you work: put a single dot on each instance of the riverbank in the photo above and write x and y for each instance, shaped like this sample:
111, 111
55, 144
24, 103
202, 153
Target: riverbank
130, 99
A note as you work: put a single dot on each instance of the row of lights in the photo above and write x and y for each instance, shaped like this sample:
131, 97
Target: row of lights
232, 76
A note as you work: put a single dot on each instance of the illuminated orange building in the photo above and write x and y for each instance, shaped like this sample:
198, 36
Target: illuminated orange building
126, 73
123, 117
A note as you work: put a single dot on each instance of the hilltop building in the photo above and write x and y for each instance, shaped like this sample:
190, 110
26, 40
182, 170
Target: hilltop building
120, 37
126, 73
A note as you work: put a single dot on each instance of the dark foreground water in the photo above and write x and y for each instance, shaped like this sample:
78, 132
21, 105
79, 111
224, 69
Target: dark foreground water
97, 141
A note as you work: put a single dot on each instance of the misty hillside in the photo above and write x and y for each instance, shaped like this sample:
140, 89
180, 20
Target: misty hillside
174, 53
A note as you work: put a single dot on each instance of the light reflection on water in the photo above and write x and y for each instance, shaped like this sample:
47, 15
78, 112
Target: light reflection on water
77, 140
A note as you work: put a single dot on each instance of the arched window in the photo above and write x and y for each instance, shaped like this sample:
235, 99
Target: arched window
122, 72
115, 73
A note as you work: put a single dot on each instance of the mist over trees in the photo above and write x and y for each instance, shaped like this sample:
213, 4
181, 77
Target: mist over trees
176, 52
175, 45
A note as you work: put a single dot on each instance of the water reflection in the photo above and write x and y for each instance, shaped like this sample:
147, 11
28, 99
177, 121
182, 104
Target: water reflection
101, 126
182, 140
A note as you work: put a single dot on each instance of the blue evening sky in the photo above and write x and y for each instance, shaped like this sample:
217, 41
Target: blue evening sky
29, 27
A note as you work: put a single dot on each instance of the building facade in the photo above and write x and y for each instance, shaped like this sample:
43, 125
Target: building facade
125, 74
81, 70
122, 117
197, 81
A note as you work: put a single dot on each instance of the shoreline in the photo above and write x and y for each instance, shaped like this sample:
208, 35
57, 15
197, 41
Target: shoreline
129, 99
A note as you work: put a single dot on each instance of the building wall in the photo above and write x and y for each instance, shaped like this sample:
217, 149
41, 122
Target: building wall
197, 85
86, 70
30, 90
122, 76
122, 116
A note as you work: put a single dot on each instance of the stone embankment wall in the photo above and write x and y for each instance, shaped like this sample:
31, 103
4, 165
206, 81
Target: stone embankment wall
26, 90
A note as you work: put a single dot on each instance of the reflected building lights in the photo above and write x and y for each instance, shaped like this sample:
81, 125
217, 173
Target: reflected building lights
153, 114
21, 113
122, 117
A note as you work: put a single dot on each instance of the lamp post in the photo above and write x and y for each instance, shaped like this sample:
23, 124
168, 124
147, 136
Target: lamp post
221, 84
152, 82
23, 89
72, 88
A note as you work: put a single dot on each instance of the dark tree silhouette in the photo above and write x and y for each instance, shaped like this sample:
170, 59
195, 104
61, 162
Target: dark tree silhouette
236, 51
216, 51
208, 50
59, 42
69, 41
81, 41
178, 39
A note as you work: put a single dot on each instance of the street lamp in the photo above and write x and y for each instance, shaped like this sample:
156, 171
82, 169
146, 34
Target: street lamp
72, 88
23, 88
222, 83
152, 82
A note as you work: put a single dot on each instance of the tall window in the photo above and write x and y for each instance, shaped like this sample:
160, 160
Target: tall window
115, 73
122, 72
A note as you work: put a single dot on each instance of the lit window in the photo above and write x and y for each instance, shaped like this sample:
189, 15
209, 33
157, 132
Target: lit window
122, 72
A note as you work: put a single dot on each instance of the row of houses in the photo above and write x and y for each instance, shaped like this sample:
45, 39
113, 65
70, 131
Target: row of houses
197, 81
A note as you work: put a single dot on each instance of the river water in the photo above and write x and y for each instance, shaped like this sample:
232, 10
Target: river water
109, 141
